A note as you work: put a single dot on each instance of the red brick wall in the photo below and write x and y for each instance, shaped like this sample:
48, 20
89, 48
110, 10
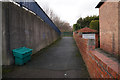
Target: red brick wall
119, 30
98, 65
96, 40
108, 17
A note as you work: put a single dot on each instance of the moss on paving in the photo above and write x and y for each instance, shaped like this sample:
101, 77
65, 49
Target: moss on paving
77, 54
7, 69
4, 71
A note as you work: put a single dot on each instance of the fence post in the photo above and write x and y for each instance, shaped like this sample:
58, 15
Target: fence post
20, 4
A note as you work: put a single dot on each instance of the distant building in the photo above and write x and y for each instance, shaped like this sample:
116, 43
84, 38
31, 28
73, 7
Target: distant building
109, 18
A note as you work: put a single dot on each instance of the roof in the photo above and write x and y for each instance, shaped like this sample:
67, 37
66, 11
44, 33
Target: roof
100, 3
87, 30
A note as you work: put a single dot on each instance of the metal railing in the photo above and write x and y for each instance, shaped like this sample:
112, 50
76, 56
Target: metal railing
33, 6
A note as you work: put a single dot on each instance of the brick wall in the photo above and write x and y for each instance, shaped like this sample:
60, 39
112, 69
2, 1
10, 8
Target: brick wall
98, 65
119, 29
108, 17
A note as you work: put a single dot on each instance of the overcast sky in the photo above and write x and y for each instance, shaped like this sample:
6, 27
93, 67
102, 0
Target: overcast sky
71, 10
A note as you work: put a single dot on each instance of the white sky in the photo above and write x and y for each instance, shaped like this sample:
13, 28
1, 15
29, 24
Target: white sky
71, 10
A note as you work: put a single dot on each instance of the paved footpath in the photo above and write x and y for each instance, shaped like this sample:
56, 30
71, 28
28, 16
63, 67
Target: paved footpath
61, 60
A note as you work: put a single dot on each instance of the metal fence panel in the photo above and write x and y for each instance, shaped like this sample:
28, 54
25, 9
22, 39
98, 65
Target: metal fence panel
34, 7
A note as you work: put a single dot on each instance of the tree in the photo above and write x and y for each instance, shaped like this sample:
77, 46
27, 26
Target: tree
62, 25
76, 27
83, 22
94, 24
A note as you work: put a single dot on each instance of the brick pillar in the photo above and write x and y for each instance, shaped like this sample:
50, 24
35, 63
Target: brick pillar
80, 36
96, 40
91, 44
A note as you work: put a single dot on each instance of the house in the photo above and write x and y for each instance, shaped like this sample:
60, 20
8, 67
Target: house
109, 18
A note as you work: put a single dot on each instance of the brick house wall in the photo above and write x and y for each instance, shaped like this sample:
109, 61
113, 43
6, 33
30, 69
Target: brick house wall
108, 17
119, 29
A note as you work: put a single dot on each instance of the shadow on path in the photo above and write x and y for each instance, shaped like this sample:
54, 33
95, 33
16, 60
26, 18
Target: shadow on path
61, 60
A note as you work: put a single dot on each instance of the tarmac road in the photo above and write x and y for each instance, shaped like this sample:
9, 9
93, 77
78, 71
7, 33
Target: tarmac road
60, 60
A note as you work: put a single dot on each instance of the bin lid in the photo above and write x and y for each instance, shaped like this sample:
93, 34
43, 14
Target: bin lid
22, 50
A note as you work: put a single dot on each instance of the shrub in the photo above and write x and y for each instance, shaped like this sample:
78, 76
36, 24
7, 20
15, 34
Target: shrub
94, 24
